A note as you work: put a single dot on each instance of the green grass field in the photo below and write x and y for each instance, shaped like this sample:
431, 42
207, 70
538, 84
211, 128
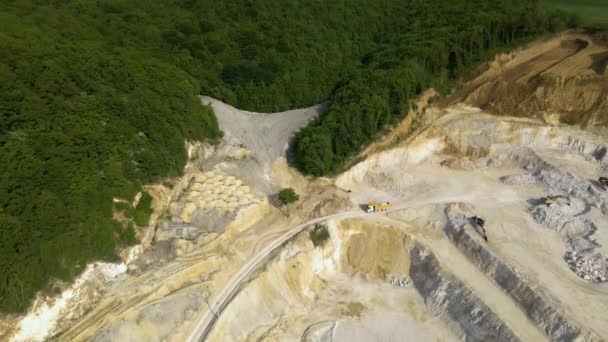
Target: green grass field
591, 12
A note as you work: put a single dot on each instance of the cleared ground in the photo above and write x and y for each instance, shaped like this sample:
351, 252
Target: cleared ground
459, 167
563, 79
445, 173
463, 162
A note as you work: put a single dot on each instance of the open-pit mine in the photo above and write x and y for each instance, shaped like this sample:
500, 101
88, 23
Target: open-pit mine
497, 228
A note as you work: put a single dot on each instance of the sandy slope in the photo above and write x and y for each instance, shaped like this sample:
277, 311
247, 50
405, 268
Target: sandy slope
565, 78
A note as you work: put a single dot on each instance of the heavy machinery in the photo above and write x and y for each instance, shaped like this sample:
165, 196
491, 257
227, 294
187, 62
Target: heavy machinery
479, 222
603, 181
373, 207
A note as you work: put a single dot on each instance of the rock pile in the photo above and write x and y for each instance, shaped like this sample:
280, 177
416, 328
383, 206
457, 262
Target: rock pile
401, 281
568, 217
169, 230
538, 171
212, 190
571, 221
589, 266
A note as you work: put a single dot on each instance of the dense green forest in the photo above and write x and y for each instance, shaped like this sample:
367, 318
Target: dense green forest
592, 13
98, 97
441, 40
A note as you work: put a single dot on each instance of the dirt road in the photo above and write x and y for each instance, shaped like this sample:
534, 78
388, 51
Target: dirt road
205, 323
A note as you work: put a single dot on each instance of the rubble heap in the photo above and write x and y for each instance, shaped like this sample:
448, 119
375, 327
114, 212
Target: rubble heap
571, 221
401, 281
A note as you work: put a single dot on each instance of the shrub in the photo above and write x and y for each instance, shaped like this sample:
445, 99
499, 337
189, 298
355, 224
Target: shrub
288, 196
319, 235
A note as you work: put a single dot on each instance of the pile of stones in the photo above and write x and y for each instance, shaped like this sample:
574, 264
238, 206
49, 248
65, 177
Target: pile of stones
401, 281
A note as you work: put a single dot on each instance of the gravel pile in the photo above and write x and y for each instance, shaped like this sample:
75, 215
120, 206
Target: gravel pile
524, 157
582, 256
401, 281
589, 266
539, 171
519, 180
171, 230
571, 220
558, 217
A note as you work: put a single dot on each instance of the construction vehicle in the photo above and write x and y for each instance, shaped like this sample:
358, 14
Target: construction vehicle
373, 207
603, 181
479, 222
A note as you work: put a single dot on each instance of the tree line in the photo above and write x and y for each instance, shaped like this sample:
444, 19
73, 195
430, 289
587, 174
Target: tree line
441, 41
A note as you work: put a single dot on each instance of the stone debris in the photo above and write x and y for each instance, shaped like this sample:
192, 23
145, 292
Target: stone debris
213, 190
172, 230
401, 281
452, 300
552, 178
567, 212
238, 153
572, 222
589, 266
186, 214
536, 304
518, 180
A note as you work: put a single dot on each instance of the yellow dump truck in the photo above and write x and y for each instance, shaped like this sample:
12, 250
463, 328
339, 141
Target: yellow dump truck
373, 207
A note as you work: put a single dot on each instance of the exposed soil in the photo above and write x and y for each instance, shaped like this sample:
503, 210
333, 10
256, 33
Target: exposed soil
564, 77
495, 166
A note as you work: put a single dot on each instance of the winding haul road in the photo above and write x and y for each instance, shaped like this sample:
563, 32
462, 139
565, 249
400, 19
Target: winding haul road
203, 327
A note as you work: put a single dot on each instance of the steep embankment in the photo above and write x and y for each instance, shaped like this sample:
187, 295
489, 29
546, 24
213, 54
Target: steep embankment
358, 287
564, 79
502, 167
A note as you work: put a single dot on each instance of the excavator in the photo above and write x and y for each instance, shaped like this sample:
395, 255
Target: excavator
373, 207
479, 222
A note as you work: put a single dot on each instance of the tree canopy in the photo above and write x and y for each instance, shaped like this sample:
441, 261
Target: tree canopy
288, 196
439, 41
